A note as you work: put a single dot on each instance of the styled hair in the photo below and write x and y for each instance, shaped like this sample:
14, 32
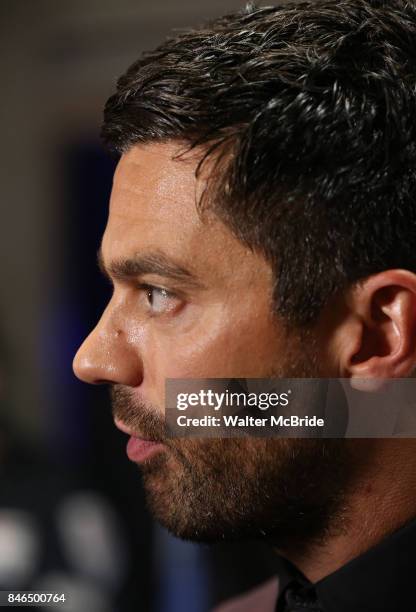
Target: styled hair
310, 111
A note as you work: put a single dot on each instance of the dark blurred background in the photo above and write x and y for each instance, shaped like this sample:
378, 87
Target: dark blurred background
72, 513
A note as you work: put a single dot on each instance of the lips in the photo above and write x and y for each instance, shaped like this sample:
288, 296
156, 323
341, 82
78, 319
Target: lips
135, 434
139, 449
122, 427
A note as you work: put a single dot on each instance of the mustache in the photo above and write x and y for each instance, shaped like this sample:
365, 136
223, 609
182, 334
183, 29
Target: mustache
138, 416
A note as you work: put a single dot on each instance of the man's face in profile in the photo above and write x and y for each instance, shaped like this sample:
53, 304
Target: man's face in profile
191, 301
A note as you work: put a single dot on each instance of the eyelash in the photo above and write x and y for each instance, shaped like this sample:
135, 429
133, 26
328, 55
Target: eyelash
149, 289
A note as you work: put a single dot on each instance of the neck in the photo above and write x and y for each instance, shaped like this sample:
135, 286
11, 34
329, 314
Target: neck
381, 500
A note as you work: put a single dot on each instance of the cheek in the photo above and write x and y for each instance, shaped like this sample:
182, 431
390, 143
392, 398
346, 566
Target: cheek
225, 347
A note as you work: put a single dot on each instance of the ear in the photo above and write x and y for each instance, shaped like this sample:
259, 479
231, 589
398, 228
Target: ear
376, 339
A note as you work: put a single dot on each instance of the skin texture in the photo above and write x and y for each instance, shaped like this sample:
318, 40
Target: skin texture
305, 496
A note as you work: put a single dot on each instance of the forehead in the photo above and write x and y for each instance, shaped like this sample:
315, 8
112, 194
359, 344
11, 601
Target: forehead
153, 207
153, 198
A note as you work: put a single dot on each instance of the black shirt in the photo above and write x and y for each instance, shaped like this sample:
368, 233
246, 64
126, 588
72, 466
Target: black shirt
383, 579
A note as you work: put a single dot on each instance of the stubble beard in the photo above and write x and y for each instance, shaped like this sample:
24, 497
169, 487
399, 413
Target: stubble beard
289, 491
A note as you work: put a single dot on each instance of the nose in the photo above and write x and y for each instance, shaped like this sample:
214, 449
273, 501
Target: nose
106, 356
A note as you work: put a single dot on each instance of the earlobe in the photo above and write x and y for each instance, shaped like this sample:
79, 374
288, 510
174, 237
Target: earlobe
386, 307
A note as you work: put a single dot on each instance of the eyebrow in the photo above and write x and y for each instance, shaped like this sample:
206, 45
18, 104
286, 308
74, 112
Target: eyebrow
147, 263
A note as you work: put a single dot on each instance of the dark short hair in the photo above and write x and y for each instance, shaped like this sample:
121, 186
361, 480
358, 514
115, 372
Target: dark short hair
311, 108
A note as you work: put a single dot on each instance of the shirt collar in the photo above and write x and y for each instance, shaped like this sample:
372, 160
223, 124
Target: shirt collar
379, 579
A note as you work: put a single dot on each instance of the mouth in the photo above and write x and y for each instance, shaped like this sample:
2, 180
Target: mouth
139, 448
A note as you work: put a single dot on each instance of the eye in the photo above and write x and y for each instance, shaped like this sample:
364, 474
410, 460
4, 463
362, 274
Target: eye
159, 300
